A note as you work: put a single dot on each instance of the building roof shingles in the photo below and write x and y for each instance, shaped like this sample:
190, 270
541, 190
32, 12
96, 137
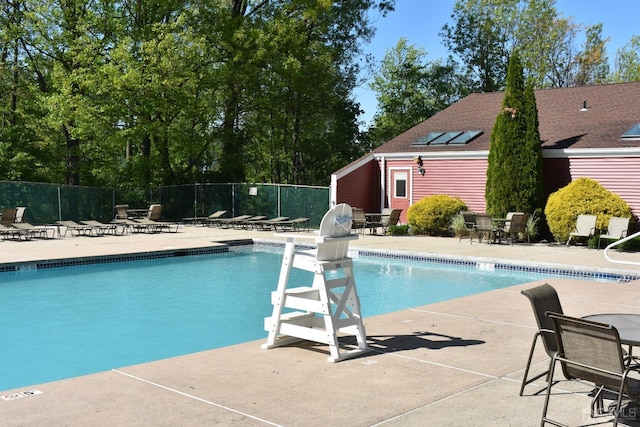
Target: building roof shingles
611, 110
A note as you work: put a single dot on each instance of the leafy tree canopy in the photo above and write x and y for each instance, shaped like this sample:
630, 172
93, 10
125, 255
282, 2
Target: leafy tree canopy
148, 92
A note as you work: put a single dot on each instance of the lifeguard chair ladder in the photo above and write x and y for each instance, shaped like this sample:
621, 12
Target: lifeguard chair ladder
330, 307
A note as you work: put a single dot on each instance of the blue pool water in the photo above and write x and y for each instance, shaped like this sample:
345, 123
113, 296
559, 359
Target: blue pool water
71, 321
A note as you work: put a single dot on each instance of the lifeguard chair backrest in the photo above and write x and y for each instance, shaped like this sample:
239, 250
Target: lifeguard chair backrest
335, 224
337, 221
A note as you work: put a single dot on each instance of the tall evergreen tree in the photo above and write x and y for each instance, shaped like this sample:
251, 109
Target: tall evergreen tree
531, 172
514, 172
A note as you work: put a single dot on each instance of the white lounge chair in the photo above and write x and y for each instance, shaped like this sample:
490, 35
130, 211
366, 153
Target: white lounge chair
585, 227
616, 230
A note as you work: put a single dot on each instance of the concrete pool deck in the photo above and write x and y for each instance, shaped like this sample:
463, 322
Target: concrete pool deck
454, 363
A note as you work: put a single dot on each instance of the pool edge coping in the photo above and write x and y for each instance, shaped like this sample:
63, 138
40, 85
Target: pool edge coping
482, 263
485, 263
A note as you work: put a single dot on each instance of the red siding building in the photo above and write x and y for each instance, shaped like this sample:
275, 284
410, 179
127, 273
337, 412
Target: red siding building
582, 131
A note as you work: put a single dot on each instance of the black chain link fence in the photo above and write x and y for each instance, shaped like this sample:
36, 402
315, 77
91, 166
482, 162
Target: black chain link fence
48, 203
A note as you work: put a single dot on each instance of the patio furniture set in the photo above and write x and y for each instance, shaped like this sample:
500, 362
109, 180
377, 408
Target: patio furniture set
595, 350
495, 230
373, 220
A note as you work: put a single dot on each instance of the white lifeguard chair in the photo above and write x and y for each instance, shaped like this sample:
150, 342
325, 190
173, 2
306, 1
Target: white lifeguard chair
330, 307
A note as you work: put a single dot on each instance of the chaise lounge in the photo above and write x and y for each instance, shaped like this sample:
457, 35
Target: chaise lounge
296, 224
77, 229
585, 227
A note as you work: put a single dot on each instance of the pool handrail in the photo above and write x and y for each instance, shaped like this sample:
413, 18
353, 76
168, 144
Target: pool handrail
616, 243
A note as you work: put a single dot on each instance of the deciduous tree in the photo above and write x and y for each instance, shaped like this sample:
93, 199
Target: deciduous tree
409, 89
627, 64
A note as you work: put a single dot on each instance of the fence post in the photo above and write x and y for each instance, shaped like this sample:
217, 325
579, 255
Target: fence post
195, 200
279, 202
59, 205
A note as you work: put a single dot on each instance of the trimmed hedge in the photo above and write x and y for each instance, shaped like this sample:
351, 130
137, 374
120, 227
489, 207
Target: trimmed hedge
432, 214
582, 196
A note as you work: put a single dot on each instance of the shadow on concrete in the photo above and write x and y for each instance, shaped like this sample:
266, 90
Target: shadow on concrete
428, 340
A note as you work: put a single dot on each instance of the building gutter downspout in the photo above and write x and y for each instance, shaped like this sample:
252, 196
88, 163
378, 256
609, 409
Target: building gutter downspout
383, 181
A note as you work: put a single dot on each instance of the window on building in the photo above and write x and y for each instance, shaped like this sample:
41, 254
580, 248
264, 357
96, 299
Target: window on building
400, 184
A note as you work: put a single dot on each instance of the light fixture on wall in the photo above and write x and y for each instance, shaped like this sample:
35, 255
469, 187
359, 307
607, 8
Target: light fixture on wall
418, 161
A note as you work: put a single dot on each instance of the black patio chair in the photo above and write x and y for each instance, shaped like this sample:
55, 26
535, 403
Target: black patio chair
591, 352
543, 298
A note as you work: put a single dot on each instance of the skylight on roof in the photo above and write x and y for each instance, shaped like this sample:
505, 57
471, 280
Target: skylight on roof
445, 138
466, 137
457, 137
632, 133
425, 140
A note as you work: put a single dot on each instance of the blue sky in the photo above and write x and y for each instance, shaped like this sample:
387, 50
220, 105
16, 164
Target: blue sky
420, 21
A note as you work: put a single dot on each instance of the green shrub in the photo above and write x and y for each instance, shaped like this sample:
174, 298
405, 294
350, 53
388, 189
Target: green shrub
458, 226
398, 230
582, 196
632, 245
531, 231
432, 214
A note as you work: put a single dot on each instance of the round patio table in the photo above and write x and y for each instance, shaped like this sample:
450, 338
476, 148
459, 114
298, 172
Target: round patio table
627, 324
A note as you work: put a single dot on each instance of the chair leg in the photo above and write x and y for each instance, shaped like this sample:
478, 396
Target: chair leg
597, 404
544, 420
526, 369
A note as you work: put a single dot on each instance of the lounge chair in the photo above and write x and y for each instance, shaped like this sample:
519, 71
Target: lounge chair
616, 230
156, 226
270, 224
36, 231
154, 213
250, 222
359, 219
591, 352
204, 220
132, 226
77, 229
102, 227
388, 220
516, 226
229, 222
585, 227
153, 220
469, 223
13, 233
214, 217
543, 298
20, 213
484, 226
296, 224
8, 216
121, 212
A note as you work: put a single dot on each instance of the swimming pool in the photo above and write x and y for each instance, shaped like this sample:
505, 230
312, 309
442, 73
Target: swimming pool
70, 321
